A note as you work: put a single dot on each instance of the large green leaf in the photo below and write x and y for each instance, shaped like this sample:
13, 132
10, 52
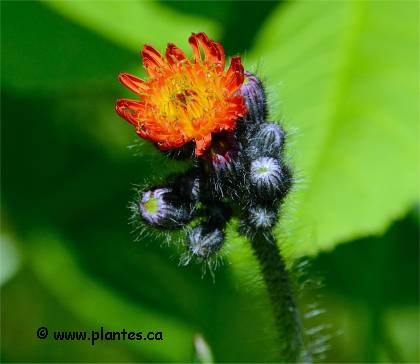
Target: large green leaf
347, 77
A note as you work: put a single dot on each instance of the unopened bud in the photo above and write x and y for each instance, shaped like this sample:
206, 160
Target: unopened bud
223, 153
267, 141
265, 175
203, 241
223, 164
255, 101
159, 207
261, 217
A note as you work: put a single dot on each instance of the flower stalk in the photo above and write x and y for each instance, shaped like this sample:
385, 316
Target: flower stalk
279, 288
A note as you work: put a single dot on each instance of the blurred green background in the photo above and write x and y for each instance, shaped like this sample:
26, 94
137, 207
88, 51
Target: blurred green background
342, 78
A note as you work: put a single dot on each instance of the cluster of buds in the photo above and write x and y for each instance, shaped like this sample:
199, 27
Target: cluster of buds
238, 164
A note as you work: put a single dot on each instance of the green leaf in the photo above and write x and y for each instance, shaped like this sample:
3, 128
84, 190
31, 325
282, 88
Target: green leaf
347, 77
132, 23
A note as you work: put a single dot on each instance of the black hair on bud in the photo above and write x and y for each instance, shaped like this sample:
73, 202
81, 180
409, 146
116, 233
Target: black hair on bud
218, 214
266, 177
160, 207
187, 185
182, 153
286, 180
223, 164
204, 240
268, 141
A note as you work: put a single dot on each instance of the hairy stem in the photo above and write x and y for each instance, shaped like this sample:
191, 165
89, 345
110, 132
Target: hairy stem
280, 292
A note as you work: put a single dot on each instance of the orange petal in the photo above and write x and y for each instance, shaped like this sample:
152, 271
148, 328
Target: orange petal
172, 51
211, 50
193, 40
238, 103
125, 108
131, 104
133, 83
165, 145
202, 144
235, 74
143, 133
153, 61
221, 56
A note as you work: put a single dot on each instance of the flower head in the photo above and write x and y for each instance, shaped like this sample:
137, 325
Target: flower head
185, 100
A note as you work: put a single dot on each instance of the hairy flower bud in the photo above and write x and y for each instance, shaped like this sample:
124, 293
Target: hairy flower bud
261, 217
204, 240
223, 153
223, 164
267, 141
255, 100
265, 176
161, 208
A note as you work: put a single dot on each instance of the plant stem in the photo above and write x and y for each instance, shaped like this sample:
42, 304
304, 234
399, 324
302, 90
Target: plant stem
285, 310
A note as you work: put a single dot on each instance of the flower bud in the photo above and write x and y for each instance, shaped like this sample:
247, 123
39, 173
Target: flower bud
223, 164
261, 217
223, 153
265, 176
203, 241
255, 100
161, 208
267, 141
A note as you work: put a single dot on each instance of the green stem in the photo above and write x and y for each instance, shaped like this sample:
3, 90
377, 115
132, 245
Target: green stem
280, 292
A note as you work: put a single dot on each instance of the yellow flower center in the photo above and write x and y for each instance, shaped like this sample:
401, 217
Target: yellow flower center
152, 205
188, 98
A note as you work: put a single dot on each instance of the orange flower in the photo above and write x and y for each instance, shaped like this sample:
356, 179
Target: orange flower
185, 100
